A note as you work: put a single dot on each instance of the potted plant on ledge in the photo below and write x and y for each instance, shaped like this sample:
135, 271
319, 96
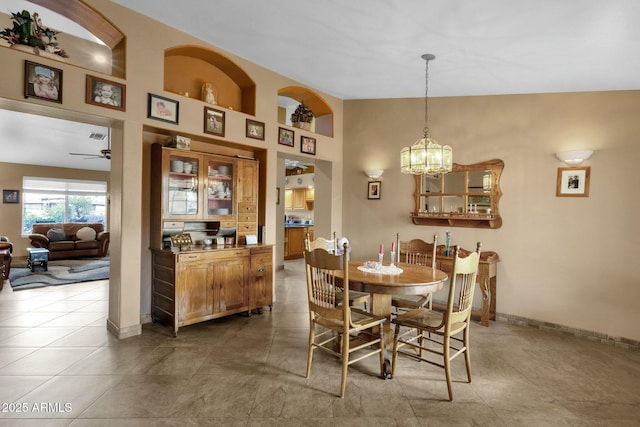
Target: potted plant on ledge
30, 35
302, 117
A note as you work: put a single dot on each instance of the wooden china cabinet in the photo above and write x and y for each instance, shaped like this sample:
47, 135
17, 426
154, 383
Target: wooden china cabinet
207, 196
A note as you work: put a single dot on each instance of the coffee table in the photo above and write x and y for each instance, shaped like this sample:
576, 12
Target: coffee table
37, 257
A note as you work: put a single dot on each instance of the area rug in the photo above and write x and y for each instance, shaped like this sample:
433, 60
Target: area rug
61, 272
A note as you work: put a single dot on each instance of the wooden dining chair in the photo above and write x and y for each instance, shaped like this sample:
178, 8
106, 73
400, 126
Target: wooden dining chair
419, 252
445, 334
331, 326
356, 298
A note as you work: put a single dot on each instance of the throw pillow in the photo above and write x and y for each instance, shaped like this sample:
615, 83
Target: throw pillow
86, 233
56, 234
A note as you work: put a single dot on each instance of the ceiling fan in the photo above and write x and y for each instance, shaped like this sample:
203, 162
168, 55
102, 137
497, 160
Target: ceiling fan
105, 153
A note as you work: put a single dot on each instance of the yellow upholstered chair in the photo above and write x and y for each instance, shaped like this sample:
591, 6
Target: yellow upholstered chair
419, 252
444, 334
331, 326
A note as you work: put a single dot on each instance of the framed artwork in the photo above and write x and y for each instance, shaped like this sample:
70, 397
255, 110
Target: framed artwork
214, 121
42, 82
255, 129
105, 93
307, 145
373, 190
285, 137
10, 196
573, 182
163, 109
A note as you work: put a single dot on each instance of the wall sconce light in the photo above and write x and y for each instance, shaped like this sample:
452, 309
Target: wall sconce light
574, 158
374, 173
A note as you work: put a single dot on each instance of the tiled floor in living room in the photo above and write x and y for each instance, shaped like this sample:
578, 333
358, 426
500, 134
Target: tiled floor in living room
59, 366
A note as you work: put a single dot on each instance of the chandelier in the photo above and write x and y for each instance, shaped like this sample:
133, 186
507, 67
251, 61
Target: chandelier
426, 156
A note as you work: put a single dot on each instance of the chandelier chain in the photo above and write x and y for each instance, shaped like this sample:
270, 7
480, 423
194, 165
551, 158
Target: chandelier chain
425, 131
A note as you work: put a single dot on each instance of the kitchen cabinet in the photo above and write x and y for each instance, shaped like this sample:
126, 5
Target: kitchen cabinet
288, 199
299, 198
294, 241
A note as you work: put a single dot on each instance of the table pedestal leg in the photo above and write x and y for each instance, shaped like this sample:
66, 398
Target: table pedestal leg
381, 306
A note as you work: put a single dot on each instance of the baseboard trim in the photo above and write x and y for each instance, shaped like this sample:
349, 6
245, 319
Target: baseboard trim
619, 342
121, 333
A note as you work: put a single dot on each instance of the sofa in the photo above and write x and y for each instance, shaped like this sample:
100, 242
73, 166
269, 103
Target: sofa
71, 239
6, 248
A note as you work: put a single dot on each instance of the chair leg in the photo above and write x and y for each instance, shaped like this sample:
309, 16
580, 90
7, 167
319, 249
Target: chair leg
311, 341
394, 356
467, 355
447, 364
345, 363
383, 372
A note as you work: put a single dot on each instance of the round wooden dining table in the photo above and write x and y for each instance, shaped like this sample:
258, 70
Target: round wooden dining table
414, 280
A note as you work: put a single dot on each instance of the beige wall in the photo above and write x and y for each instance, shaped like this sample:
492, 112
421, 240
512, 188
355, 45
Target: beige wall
130, 269
563, 260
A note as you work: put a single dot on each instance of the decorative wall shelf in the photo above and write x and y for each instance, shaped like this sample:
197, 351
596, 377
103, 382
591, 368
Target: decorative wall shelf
323, 114
466, 197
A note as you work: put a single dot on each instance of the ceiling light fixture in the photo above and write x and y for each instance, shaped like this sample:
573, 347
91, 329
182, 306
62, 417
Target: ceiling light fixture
426, 156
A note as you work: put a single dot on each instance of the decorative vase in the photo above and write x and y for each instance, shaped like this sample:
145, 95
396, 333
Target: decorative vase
302, 125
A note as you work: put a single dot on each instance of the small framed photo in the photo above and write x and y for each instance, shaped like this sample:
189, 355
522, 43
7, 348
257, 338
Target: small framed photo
255, 129
573, 182
373, 190
163, 109
214, 121
42, 82
105, 93
285, 137
307, 145
10, 196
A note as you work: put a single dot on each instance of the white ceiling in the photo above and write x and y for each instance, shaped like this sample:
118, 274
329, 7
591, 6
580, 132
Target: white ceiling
372, 49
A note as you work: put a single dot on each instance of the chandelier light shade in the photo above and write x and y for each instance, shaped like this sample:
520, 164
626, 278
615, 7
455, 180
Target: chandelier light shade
426, 156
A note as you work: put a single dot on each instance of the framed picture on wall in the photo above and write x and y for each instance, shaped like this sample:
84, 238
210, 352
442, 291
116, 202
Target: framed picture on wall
213, 121
307, 145
163, 109
10, 196
42, 82
573, 182
105, 93
285, 137
255, 129
373, 190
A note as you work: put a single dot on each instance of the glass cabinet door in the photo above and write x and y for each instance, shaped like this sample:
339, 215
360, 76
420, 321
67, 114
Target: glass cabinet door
182, 198
219, 186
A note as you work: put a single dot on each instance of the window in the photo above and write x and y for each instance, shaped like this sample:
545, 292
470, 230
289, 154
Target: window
47, 200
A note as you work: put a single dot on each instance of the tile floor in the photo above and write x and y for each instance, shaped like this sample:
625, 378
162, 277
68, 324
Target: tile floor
59, 367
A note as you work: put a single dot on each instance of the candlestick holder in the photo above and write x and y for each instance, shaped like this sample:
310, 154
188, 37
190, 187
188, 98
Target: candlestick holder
380, 259
393, 258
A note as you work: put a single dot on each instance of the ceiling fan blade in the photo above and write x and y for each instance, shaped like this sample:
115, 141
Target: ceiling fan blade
87, 156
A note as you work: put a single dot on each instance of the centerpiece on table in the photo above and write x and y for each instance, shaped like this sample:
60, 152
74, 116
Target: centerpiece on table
302, 117
28, 32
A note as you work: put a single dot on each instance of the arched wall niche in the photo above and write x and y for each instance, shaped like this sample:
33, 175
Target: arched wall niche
322, 112
97, 25
187, 68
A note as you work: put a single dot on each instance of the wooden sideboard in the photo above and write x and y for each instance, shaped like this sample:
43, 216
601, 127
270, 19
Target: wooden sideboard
202, 284
486, 279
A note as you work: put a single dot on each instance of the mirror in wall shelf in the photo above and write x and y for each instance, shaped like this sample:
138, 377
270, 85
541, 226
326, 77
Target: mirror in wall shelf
468, 196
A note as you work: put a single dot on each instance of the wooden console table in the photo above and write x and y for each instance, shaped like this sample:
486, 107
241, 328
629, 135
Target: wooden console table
486, 278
